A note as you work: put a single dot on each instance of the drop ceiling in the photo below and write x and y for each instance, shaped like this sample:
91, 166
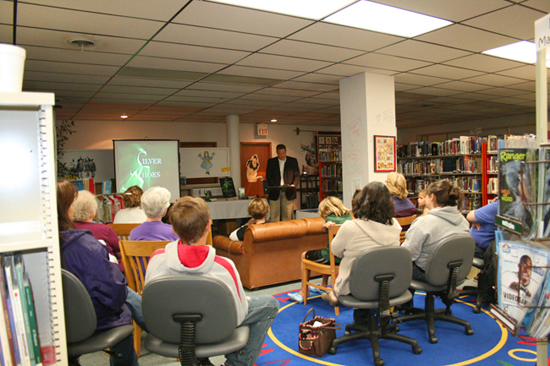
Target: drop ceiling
199, 61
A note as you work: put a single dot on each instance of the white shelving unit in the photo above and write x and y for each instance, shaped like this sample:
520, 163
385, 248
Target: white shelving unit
28, 213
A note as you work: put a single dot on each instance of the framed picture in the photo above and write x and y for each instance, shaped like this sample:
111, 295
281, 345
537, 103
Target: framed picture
384, 153
321, 140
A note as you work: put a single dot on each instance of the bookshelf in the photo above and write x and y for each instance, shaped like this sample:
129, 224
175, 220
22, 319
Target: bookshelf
490, 177
460, 160
309, 191
28, 215
329, 153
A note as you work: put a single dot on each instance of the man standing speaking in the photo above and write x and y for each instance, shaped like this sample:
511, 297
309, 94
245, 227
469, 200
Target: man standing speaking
283, 175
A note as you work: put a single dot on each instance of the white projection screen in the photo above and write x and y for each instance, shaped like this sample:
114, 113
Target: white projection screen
147, 163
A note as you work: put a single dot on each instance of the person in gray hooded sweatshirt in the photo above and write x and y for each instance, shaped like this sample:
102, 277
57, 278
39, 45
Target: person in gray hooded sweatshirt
442, 221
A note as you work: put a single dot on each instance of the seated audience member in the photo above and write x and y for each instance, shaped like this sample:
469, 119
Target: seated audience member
374, 226
333, 211
190, 218
422, 209
85, 209
397, 186
155, 202
483, 226
84, 256
258, 209
442, 221
132, 213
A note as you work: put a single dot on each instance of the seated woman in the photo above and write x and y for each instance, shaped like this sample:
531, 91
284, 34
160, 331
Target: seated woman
374, 225
397, 185
258, 209
333, 211
132, 213
85, 257
155, 202
85, 210
443, 220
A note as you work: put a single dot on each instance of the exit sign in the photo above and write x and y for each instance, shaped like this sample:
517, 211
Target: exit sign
262, 129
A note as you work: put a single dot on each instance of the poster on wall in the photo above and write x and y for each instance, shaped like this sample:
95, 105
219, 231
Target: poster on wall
384, 153
204, 162
84, 164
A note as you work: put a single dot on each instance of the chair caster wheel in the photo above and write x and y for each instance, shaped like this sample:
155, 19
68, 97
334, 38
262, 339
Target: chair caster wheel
433, 340
332, 350
476, 310
417, 350
379, 362
469, 331
397, 328
347, 332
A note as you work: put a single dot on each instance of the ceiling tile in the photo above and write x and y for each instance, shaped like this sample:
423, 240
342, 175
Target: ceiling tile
504, 21
222, 16
145, 82
462, 86
340, 36
320, 78
305, 86
435, 91
466, 38
192, 53
448, 72
417, 79
543, 5
70, 68
261, 72
64, 77
375, 60
527, 72
494, 80
310, 51
76, 56
172, 64
282, 62
225, 87
200, 36
423, 51
137, 90
484, 63
85, 22
342, 70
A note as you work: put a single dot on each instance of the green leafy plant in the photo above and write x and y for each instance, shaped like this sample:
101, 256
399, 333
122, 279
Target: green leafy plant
63, 130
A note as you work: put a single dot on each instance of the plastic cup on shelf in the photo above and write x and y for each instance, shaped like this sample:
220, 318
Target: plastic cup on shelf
12, 65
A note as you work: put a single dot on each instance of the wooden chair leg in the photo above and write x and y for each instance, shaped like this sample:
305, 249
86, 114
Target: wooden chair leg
332, 280
305, 278
137, 339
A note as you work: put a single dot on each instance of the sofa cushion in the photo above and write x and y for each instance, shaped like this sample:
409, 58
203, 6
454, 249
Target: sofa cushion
273, 231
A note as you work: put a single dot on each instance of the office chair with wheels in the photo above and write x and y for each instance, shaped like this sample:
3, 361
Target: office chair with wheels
81, 321
447, 267
379, 280
191, 316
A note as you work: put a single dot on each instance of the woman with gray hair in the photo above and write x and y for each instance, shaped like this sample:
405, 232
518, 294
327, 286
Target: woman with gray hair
155, 202
85, 209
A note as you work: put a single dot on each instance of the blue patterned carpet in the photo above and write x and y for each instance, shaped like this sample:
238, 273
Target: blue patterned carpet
490, 344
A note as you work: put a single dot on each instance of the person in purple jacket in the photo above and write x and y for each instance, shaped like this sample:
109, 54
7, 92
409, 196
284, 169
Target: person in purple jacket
85, 257
155, 202
397, 185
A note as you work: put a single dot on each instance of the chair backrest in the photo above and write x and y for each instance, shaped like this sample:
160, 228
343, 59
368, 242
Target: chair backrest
456, 248
135, 257
209, 236
80, 317
376, 262
405, 222
186, 294
123, 230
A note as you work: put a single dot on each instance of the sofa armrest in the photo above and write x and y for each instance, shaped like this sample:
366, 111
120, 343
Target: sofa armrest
230, 246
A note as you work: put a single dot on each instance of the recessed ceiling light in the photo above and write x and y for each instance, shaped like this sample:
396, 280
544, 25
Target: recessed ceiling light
523, 51
386, 19
310, 9
273, 120
124, 116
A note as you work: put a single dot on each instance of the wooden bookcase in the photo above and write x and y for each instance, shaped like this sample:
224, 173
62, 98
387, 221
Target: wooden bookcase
329, 153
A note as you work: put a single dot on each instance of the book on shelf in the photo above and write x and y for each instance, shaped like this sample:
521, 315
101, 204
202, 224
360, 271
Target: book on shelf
85, 184
6, 335
492, 144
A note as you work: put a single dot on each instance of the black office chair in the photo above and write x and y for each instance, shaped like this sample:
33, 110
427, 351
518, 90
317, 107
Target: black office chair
479, 290
379, 279
447, 268
190, 317
81, 321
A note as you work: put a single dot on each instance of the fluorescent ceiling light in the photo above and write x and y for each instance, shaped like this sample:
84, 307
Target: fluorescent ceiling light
311, 9
386, 19
523, 51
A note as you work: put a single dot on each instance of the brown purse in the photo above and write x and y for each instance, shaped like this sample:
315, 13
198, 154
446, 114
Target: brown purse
316, 340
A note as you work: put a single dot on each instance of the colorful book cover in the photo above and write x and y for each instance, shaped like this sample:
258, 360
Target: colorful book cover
521, 274
5, 326
18, 265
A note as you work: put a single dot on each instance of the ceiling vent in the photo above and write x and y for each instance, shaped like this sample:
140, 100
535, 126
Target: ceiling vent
81, 43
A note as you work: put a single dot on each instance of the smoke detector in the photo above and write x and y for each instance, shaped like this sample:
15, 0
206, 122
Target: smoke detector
81, 43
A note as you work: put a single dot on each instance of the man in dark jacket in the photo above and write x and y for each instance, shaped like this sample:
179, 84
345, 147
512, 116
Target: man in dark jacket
282, 171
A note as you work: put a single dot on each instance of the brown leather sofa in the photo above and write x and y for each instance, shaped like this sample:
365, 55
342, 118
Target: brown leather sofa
271, 253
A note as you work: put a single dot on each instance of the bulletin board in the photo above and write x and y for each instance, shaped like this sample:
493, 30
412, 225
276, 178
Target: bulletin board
204, 162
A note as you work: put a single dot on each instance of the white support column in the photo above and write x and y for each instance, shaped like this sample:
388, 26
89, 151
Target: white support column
367, 108
234, 144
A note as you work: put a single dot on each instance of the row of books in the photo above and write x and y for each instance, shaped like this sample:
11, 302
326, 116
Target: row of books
19, 340
492, 164
331, 185
333, 170
330, 155
462, 164
492, 185
89, 184
459, 145
467, 184
470, 203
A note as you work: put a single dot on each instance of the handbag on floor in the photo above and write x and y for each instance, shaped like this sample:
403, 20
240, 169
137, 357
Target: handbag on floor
316, 335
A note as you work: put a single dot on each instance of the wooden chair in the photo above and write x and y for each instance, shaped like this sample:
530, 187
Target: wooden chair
324, 269
135, 256
123, 230
405, 221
